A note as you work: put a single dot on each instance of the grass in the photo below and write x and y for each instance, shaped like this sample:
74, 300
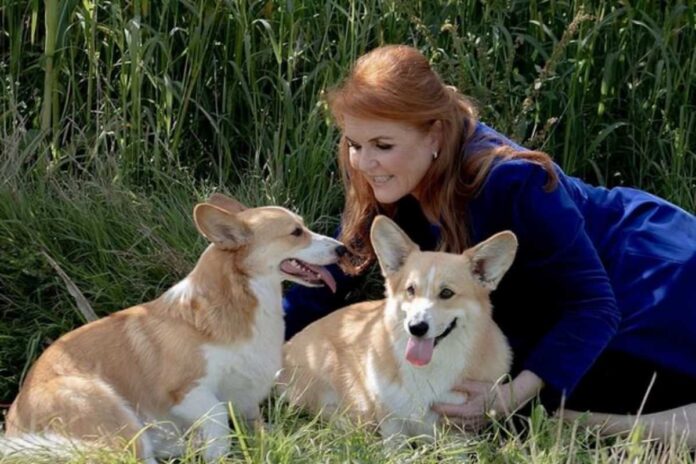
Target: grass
292, 437
116, 118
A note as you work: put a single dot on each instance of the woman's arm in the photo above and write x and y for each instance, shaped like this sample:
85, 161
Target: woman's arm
560, 269
558, 262
670, 427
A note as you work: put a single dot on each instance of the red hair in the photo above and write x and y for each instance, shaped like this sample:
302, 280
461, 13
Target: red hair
396, 83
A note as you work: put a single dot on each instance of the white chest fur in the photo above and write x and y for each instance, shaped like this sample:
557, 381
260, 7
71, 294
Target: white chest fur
407, 404
241, 374
244, 373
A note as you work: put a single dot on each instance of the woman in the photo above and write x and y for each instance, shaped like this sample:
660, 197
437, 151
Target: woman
602, 293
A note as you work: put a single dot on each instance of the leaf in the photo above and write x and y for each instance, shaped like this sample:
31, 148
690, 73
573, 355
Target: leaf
82, 303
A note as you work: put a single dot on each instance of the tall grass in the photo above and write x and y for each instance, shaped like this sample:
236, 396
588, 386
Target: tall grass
218, 88
115, 118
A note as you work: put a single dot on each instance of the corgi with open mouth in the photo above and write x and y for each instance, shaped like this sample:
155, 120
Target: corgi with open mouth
147, 374
386, 362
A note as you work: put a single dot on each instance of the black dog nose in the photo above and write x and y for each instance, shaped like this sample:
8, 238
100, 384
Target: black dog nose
418, 330
341, 251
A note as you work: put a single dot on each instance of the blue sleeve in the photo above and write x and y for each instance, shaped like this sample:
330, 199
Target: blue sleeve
303, 305
554, 246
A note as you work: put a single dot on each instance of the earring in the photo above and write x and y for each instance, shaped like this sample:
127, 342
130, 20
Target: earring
435, 155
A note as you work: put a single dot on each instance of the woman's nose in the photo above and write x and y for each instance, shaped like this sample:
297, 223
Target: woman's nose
366, 161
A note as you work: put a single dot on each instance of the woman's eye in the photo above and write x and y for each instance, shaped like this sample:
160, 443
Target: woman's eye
353, 146
411, 290
446, 294
297, 232
383, 146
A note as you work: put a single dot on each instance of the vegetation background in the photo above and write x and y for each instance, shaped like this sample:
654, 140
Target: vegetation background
117, 116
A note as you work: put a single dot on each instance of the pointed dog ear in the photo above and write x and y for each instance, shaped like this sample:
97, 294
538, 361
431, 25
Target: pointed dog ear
491, 259
220, 227
391, 244
229, 204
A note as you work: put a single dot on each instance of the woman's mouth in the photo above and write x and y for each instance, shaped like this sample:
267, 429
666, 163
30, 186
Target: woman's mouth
379, 180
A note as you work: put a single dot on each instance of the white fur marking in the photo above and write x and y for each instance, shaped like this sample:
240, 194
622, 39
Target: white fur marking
321, 250
208, 416
180, 293
431, 283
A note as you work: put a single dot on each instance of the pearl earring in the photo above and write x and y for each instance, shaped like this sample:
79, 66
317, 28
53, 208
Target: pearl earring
435, 155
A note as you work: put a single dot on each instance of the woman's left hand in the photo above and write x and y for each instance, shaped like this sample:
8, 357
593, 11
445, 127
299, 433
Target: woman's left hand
484, 402
487, 400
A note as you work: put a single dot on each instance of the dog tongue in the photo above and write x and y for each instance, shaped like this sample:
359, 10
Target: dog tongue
325, 276
419, 350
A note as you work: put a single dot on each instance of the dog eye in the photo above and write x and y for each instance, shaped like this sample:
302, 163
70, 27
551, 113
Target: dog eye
297, 232
411, 290
446, 294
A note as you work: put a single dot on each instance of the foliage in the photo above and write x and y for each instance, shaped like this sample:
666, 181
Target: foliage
116, 117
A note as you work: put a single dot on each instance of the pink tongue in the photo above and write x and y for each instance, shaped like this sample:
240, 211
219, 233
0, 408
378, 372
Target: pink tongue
419, 350
325, 276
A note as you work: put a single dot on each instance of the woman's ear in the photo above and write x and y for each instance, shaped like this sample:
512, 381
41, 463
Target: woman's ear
435, 133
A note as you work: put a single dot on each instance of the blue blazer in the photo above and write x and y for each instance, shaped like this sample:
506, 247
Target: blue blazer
596, 269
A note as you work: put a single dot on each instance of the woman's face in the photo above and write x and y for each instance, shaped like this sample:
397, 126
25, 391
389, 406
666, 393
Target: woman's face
392, 156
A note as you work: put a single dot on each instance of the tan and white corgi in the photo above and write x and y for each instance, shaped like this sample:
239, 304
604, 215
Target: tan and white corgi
215, 337
386, 362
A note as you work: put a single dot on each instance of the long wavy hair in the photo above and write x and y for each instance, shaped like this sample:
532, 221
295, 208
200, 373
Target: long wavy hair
396, 83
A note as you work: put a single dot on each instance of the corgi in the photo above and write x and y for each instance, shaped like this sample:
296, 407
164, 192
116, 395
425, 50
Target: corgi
146, 374
386, 362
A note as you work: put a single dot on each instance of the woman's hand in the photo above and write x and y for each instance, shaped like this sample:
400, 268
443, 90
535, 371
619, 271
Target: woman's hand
486, 400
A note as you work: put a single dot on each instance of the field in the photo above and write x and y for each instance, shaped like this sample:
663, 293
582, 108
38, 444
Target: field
117, 117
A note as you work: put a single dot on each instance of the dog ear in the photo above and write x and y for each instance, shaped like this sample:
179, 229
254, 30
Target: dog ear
220, 227
229, 204
491, 259
391, 244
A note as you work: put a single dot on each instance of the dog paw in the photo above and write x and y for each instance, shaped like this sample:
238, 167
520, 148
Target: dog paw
215, 450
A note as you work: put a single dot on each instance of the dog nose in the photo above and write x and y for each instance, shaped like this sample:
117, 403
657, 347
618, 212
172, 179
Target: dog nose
418, 330
341, 251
